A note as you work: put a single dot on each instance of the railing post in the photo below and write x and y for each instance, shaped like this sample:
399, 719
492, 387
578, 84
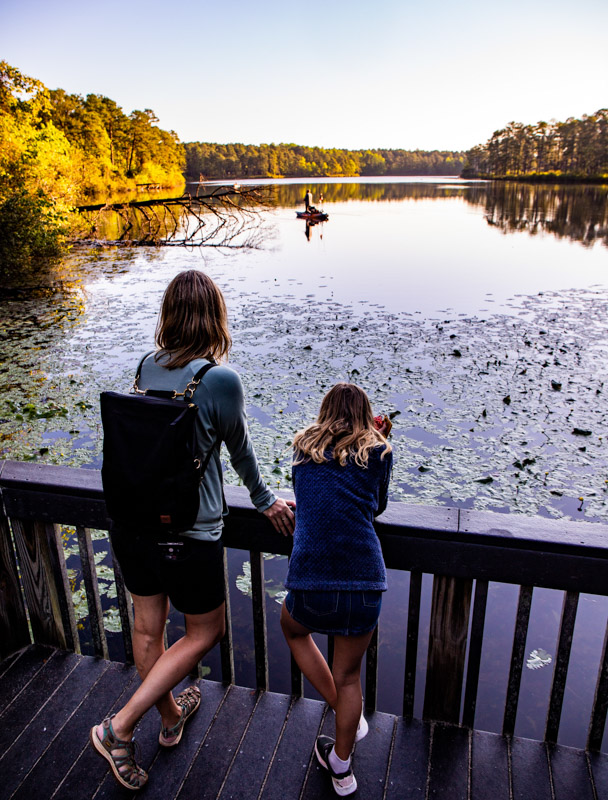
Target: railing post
14, 632
258, 599
45, 585
89, 576
226, 651
448, 631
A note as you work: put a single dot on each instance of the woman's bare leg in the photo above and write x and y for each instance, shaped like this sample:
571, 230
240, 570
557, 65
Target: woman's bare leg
308, 657
150, 617
164, 669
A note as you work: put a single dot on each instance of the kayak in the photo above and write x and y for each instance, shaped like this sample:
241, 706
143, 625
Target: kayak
318, 216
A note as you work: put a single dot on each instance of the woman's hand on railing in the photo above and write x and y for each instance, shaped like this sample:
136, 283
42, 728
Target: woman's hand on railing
281, 515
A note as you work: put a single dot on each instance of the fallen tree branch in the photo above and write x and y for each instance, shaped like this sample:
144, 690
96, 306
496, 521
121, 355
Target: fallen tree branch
224, 217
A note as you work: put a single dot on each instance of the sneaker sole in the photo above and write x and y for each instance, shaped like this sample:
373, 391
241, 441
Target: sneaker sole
344, 790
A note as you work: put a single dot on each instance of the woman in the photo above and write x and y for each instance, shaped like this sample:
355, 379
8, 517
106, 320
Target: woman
342, 467
192, 329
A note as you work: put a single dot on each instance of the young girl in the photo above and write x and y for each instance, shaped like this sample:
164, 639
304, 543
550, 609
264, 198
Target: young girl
342, 466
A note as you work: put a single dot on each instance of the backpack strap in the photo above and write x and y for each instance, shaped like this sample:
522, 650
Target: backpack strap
135, 387
172, 394
196, 379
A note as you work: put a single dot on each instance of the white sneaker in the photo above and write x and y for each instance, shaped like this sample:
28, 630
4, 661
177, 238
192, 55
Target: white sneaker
362, 728
345, 782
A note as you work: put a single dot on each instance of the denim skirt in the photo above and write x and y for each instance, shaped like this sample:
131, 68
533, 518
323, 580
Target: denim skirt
341, 613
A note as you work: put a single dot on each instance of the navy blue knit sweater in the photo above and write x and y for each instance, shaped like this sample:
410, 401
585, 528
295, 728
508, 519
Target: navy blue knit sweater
334, 544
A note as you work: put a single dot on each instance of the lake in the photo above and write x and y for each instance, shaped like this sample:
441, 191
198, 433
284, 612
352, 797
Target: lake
474, 313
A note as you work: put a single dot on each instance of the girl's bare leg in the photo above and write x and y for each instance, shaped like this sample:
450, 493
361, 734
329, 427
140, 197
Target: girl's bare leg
309, 658
162, 669
346, 669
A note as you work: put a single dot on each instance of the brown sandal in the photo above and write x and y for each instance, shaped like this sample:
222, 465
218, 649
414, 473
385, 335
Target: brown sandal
120, 755
189, 700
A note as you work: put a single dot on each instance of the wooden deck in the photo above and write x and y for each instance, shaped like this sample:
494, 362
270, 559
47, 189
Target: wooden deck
249, 744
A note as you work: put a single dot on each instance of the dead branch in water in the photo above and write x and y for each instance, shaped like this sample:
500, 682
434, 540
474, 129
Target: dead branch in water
225, 217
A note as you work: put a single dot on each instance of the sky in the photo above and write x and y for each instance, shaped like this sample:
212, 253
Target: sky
384, 74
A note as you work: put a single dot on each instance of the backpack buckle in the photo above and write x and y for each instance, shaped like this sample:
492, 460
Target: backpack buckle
190, 389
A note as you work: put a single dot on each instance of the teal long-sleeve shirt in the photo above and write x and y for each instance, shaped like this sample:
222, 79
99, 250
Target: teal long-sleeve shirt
221, 418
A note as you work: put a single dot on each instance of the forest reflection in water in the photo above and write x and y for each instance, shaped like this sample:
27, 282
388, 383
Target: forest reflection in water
577, 212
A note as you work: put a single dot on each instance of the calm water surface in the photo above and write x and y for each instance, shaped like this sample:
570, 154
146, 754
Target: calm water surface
475, 313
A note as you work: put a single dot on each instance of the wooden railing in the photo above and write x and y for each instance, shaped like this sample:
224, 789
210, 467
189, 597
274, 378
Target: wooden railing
462, 549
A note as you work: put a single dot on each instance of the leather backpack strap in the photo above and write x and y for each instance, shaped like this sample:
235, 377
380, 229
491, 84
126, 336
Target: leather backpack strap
138, 372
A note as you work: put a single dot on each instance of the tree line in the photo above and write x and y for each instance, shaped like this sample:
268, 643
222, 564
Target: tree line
218, 161
57, 149
576, 149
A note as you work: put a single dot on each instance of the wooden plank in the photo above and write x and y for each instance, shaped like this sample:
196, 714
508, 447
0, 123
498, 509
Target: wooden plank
22, 669
294, 751
530, 770
89, 576
570, 774
449, 763
411, 648
517, 659
475, 648
370, 760
248, 770
448, 632
491, 560
562, 660
32, 741
557, 535
88, 770
125, 609
258, 599
7, 662
600, 702
371, 673
67, 746
41, 586
598, 767
409, 761
66, 604
371, 757
14, 631
212, 762
25, 689
489, 767
168, 767
226, 651
513, 531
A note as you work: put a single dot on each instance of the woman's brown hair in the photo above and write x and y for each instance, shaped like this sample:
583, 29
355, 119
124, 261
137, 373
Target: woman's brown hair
193, 321
345, 426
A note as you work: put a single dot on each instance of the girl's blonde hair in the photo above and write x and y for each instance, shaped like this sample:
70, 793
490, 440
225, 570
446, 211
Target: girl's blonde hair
193, 321
345, 426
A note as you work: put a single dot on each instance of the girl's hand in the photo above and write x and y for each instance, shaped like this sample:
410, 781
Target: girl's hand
281, 515
383, 424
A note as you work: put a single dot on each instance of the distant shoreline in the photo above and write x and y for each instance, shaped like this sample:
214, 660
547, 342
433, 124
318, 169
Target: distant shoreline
537, 178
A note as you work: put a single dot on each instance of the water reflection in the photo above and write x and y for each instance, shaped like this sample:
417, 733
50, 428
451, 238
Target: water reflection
579, 213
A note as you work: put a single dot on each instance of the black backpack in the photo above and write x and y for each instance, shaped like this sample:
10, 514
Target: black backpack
152, 469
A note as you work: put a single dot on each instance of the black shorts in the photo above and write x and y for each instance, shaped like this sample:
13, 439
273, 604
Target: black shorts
190, 573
